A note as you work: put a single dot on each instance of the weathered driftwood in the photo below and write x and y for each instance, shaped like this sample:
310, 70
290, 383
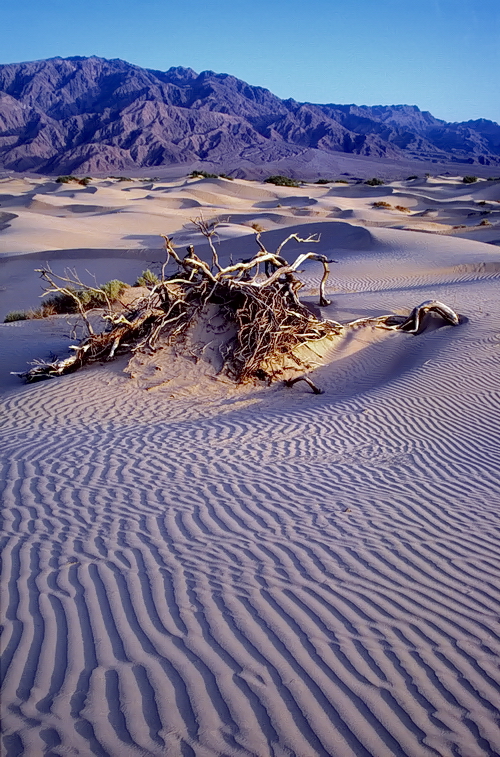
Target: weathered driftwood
309, 382
268, 315
413, 323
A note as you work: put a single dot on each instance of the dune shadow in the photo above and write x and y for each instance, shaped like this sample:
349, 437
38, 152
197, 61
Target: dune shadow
150, 241
297, 202
382, 362
90, 209
175, 203
268, 204
5, 219
353, 375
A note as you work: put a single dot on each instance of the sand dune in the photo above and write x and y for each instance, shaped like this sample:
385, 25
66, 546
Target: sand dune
194, 568
65, 215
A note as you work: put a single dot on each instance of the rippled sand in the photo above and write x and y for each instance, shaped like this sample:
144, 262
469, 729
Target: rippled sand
208, 570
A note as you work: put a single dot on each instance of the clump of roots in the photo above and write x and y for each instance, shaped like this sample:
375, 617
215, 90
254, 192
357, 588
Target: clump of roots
269, 319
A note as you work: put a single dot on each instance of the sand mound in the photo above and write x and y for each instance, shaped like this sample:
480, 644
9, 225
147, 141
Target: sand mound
175, 203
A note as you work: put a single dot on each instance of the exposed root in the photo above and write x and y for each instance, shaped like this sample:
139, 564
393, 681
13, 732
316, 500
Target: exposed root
268, 316
413, 323
316, 389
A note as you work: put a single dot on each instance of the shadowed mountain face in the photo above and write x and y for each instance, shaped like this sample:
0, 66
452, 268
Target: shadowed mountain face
92, 115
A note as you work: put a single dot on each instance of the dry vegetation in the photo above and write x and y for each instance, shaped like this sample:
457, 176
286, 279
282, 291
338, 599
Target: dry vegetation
257, 298
269, 319
72, 296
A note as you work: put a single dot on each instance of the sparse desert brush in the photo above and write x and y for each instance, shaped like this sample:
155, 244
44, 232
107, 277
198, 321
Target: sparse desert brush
257, 227
484, 222
113, 289
69, 301
381, 204
203, 175
410, 178
374, 182
281, 181
147, 279
121, 178
57, 304
402, 208
469, 179
460, 226
331, 181
16, 315
89, 297
482, 202
67, 179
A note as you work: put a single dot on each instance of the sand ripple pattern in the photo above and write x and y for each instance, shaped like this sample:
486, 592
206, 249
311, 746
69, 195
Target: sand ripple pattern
244, 605
319, 578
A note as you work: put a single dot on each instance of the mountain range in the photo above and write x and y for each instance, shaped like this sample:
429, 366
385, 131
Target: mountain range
93, 115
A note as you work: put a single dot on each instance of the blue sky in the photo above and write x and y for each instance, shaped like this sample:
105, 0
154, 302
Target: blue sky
442, 55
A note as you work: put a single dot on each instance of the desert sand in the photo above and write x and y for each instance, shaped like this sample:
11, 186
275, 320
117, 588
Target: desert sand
195, 568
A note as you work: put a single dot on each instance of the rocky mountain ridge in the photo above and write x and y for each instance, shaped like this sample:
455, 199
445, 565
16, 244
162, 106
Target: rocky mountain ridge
92, 115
